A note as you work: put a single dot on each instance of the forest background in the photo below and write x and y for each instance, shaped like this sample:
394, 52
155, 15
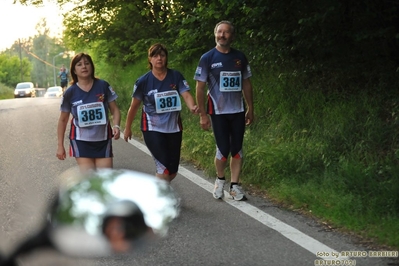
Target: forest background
325, 140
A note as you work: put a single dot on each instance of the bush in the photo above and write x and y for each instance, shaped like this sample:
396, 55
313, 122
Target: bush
6, 92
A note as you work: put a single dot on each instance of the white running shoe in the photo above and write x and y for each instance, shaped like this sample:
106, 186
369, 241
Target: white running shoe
236, 193
218, 191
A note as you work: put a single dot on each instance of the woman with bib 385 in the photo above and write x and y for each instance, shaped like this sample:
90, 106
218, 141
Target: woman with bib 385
89, 100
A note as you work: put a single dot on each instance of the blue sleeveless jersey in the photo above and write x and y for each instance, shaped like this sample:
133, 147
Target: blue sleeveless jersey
89, 111
224, 74
147, 88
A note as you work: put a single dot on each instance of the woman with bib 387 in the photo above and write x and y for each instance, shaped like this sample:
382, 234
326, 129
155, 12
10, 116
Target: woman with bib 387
159, 90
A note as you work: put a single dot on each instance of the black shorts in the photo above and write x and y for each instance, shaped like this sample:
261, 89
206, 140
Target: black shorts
229, 130
165, 149
64, 83
91, 149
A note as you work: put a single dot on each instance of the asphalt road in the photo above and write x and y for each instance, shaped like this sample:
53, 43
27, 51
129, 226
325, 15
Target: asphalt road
207, 232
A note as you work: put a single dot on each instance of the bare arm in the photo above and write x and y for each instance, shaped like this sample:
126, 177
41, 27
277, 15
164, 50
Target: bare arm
200, 97
131, 113
248, 96
116, 119
62, 124
189, 102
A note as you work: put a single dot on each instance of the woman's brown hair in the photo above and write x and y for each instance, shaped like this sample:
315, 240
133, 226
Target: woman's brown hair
156, 49
75, 60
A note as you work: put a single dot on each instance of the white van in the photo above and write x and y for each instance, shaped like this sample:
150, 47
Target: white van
24, 89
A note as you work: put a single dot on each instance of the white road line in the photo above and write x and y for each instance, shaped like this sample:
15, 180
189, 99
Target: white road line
286, 230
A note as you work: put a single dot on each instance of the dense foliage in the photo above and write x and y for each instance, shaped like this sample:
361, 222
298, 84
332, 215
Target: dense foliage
13, 70
341, 42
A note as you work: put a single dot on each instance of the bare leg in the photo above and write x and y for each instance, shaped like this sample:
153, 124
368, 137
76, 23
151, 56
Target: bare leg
163, 177
235, 168
104, 163
86, 164
166, 177
171, 177
220, 166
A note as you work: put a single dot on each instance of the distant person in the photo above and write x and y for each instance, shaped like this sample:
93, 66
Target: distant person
226, 71
159, 91
89, 100
63, 75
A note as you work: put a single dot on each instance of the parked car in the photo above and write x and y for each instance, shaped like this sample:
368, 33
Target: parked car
53, 92
24, 89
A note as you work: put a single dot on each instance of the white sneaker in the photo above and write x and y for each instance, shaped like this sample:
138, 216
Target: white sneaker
236, 193
218, 191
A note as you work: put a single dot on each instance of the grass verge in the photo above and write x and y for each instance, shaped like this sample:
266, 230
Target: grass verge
334, 156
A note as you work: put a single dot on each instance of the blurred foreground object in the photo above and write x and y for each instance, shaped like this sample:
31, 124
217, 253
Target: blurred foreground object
103, 213
109, 206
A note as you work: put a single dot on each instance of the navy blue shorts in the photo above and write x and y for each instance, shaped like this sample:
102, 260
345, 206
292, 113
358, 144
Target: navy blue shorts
64, 83
229, 130
165, 149
91, 149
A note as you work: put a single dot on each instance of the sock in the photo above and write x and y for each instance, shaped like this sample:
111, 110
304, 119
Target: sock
221, 178
233, 183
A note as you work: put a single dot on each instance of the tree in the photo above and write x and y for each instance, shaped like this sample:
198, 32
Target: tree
120, 26
41, 45
13, 70
40, 50
335, 42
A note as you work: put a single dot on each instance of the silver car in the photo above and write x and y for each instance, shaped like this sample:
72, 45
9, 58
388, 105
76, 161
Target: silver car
24, 89
53, 92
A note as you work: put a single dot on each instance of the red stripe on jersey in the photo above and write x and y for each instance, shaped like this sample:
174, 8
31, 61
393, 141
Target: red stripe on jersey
211, 108
73, 130
144, 122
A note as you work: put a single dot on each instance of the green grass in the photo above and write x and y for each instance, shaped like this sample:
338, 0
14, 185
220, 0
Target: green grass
6, 92
345, 210
334, 156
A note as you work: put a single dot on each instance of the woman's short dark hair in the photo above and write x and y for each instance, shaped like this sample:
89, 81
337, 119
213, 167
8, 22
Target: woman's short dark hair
156, 49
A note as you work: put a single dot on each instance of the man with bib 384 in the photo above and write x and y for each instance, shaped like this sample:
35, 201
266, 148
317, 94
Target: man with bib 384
227, 73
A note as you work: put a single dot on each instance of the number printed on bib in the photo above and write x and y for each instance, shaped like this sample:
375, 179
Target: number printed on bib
168, 101
230, 81
91, 114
